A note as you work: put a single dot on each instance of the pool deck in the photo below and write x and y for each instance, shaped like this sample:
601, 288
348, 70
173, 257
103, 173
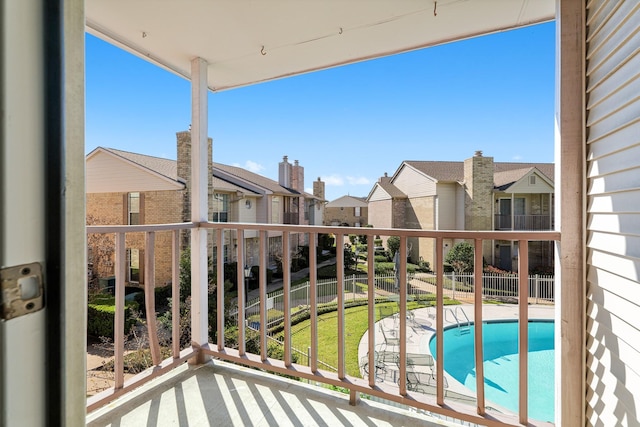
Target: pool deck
422, 328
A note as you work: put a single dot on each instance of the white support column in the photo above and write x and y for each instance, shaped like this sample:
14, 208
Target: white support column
199, 204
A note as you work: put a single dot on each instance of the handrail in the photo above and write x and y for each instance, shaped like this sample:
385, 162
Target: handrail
464, 314
462, 327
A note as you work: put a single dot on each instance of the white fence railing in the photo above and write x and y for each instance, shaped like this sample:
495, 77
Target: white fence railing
501, 287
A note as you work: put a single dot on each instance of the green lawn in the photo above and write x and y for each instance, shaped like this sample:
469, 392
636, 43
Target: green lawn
356, 325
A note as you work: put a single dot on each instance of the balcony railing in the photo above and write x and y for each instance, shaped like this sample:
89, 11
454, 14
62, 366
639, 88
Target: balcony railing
292, 218
314, 370
523, 222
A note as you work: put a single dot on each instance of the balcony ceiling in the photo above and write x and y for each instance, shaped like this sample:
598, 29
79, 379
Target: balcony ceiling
246, 42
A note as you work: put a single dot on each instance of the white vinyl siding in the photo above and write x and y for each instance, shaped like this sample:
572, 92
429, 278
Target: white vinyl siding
613, 215
107, 173
413, 183
524, 186
379, 194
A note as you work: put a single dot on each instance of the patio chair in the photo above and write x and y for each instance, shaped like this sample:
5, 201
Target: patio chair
381, 358
423, 382
388, 340
419, 359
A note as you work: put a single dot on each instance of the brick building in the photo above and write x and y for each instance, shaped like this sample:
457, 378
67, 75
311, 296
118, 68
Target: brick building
476, 194
348, 211
131, 188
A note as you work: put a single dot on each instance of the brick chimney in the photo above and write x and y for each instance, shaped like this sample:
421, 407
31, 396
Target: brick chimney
297, 177
318, 188
386, 178
478, 184
184, 171
285, 172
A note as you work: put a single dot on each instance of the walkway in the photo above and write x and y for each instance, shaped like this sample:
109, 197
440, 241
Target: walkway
277, 283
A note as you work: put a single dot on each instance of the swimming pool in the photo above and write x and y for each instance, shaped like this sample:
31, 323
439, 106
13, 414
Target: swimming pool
500, 341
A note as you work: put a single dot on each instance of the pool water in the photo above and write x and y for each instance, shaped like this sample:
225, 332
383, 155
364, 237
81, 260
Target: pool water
500, 342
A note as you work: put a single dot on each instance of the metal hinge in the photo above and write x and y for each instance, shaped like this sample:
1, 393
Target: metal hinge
22, 290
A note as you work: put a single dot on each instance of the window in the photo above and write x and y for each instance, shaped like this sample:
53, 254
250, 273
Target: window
134, 265
275, 249
532, 180
220, 207
275, 210
519, 206
356, 211
133, 209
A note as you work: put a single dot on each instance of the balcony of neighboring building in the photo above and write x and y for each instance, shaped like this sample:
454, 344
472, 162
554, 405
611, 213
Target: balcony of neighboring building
524, 212
523, 222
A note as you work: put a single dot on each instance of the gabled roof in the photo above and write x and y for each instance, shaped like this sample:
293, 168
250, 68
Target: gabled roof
220, 184
547, 169
503, 180
348, 202
110, 170
269, 185
167, 170
505, 172
165, 167
391, 190
440, 171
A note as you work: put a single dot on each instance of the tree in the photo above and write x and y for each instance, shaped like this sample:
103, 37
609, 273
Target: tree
460, 257
393, 244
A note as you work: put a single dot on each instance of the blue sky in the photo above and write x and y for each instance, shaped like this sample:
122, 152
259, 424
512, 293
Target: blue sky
347, 125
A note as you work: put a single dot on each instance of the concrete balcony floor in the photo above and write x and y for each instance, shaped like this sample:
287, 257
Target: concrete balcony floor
222, 394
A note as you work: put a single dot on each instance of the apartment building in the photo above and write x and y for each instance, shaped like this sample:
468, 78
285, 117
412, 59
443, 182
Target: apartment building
476, 194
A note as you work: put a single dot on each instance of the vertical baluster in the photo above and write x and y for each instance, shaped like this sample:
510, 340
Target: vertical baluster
118, 334
477, 302
286, 289
523, 325
340, 300
175, 293
372, 313
150, 296
242, 297
313, 300
263, 294
402, 313
439, 320
220, 287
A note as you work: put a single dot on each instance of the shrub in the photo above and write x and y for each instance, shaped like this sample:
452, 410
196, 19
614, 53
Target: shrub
461, 257
384, 267
393, 244
380, 258
101, 316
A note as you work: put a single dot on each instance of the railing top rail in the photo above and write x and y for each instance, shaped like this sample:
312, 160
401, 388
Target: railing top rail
140, 228
446, 234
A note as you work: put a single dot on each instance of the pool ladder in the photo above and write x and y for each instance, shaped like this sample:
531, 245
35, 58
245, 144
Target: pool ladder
464, 327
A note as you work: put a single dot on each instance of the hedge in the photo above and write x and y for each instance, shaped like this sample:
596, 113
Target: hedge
101, 316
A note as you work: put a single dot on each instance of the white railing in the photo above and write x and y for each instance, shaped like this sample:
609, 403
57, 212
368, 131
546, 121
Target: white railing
312, 297
501, 287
